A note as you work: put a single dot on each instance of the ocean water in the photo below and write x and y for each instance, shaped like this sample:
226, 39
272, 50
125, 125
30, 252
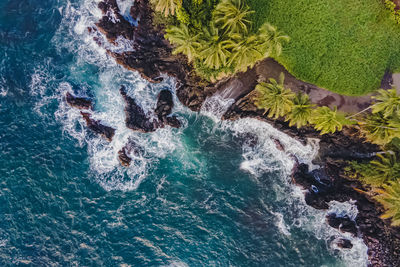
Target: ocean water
212, 193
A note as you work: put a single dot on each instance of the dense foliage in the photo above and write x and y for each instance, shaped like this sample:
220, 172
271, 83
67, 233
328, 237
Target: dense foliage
278, 101
300, 115
218, 37
274, 98
382, 126
389, 197
344, 46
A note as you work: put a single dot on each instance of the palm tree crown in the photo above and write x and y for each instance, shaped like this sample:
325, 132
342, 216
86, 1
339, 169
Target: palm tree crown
274, 98
167, 7
380, 130
327, 120
214, 47
272, 40
186, 42
232, 16
301, 111
389, 197
388, 102
245, 52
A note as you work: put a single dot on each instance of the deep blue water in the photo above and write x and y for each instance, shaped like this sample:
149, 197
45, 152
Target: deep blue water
210, 194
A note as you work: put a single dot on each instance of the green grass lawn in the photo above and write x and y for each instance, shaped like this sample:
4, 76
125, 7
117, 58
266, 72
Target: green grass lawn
342, 45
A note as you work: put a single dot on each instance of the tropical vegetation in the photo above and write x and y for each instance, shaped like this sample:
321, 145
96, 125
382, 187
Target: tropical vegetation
389, 197
218, 36
341, 45
278, 101
344, 46
394, 10
300, 115
328, 120
274, 98
381, 126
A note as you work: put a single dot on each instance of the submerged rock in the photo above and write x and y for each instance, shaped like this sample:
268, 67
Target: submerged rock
344, 243
279, 145
78, 102
97, 127
123, 157
130, 148
165, 104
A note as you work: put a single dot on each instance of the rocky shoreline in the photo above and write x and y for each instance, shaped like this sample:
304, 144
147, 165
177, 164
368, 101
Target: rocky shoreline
152, 58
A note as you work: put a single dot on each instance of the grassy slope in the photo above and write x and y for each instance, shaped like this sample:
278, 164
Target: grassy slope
341, 45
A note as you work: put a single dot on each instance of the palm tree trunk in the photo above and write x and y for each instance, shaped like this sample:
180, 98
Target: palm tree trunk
362, 111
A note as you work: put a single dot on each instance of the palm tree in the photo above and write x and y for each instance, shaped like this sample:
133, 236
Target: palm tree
186, 42
272, 39
274, 98
245, 52
301, 111
389, 197
388, 103
327, 120
378, 129
214, 47
167, 7
232, 16
387, 168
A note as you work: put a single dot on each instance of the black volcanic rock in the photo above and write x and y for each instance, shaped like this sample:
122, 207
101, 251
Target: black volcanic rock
113, 24
97, 127
173, 122
344, 224
135, 117
383, 241
130, 148
165, 104
344, 243
152, 57
78, 102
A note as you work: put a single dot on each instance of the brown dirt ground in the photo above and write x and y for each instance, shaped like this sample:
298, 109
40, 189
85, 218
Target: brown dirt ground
269, 68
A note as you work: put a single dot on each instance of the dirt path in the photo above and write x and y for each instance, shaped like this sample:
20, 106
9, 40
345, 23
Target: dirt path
396, 82
270, 68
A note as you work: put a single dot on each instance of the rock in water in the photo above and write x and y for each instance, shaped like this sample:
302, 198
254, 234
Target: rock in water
165, 104
78, 102
123, 157
113, 24
130, 148
173, 122
136, 119
344, 224
97, 127
344, 243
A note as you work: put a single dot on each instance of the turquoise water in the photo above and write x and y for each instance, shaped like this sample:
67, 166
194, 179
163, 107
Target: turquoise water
209, 194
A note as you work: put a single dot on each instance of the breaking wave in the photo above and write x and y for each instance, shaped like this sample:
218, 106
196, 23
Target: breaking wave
92, 73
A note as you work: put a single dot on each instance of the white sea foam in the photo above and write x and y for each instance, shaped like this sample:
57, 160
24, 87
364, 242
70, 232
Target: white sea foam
3, 87
109, 105
216, 106
258, 158
262, 155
